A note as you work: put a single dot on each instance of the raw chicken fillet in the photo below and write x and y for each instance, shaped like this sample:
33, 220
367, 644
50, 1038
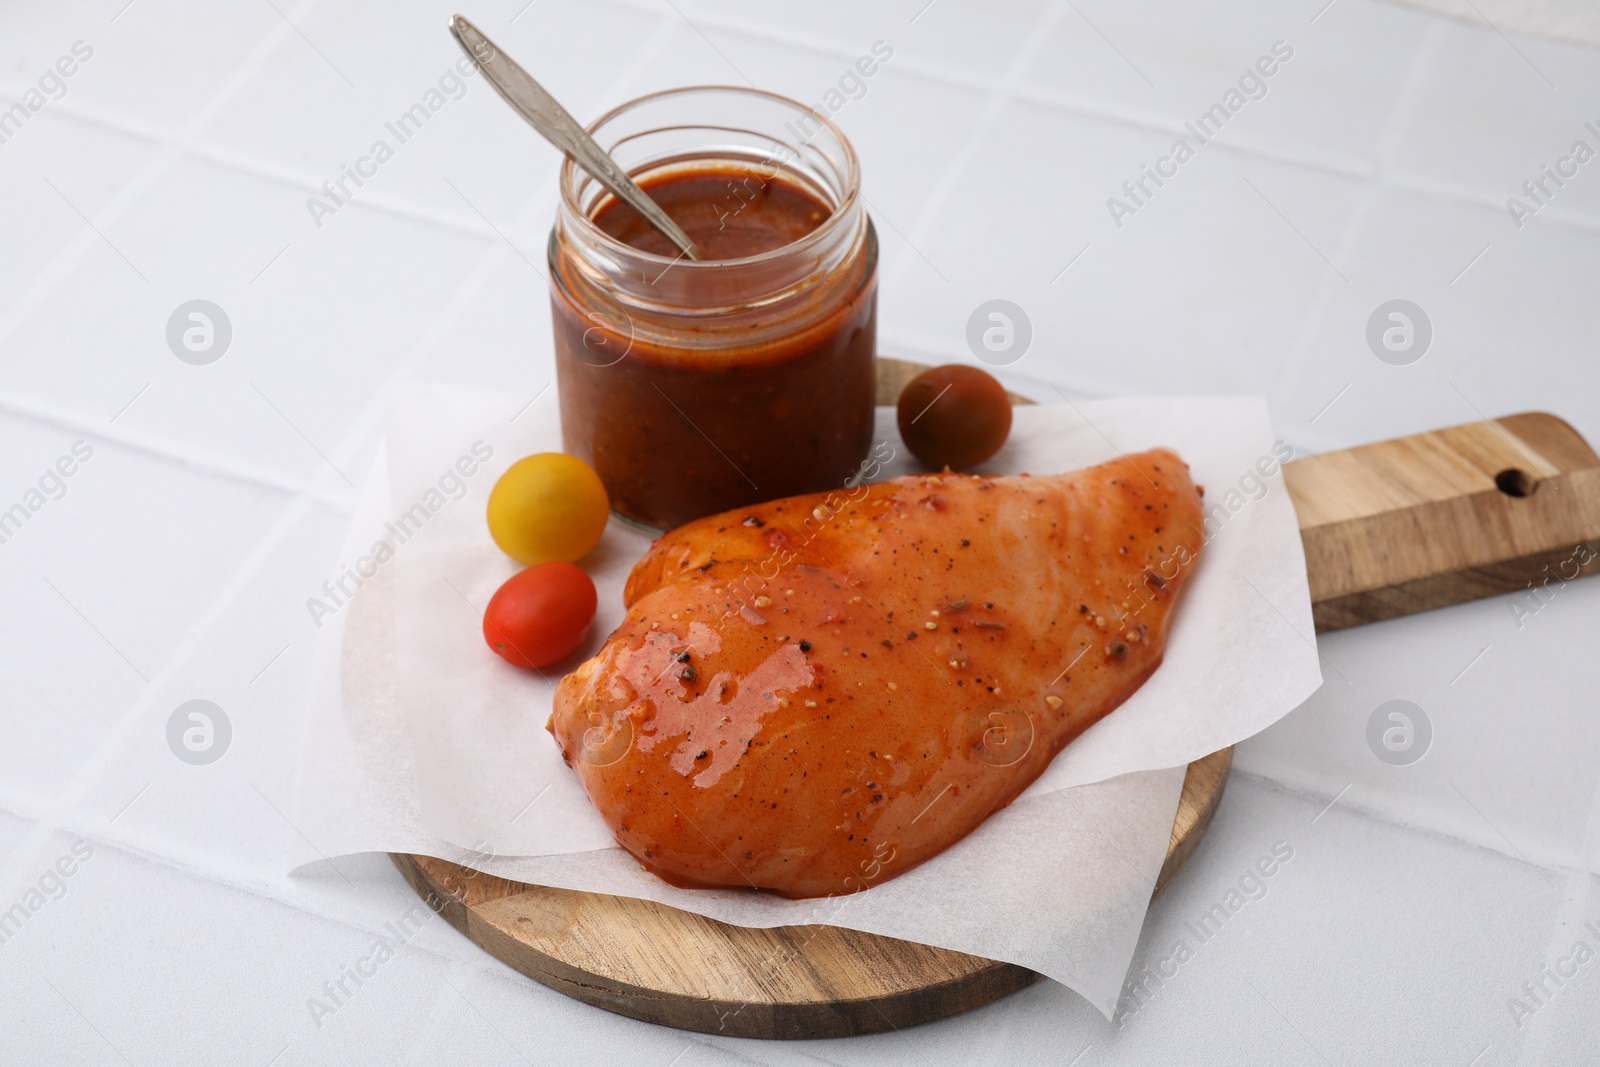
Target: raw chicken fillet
814, 695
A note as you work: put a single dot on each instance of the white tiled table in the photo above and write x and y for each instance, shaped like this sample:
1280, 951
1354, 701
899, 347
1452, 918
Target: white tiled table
177, 164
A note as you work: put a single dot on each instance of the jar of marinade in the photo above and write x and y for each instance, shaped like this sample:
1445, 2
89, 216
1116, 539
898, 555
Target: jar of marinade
694, 387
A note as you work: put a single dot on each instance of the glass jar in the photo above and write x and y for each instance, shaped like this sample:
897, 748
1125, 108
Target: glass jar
695, 387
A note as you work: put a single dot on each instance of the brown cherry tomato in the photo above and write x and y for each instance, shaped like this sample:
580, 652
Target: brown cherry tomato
539, 616
954, 416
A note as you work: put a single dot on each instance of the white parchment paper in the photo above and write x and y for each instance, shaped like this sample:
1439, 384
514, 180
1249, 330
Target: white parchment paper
426, 742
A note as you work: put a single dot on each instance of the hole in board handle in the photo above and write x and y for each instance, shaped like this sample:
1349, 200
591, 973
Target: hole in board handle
1515, 482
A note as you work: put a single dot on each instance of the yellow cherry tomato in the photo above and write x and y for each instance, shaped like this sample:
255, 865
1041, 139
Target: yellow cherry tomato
549, 506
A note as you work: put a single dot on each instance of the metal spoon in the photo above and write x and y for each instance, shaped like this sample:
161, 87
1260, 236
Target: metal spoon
544, 113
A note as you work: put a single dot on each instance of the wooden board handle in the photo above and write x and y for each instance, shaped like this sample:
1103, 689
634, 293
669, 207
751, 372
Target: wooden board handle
1438, 518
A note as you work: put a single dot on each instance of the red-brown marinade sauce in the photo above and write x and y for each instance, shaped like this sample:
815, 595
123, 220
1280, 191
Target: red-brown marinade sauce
704, 392
728, 211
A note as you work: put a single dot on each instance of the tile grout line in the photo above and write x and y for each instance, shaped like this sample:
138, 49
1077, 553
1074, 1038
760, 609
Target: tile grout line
1242, 145
1098, 110
964, 159
238, 879
1063, 103
1398, 119
1538, 859
293, 512
997, 96
42, 286
31, 410
244, 882
196, 147
118, 205
89, 773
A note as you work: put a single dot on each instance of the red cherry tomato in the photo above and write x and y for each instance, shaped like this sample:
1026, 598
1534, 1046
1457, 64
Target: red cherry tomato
540, 615
954, 416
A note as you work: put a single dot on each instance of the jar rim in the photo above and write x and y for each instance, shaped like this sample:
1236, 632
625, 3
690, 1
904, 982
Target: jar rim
591, 232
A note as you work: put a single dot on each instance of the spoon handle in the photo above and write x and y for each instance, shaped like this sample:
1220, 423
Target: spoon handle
545, 114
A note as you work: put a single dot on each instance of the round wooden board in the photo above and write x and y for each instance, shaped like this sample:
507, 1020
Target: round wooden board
662, 965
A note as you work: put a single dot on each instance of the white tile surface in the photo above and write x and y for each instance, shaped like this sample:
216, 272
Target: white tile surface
141, 70
1510, 766
298, 113
1514, 333
38, 225
182, 156
1420, 939
1167, 63
1486, 125
1202, 290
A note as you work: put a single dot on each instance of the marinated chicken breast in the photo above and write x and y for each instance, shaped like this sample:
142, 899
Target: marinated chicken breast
813, 695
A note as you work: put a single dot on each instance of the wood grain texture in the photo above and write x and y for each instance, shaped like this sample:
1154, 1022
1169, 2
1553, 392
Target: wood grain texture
662, 965
1439, 518
1389, 529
